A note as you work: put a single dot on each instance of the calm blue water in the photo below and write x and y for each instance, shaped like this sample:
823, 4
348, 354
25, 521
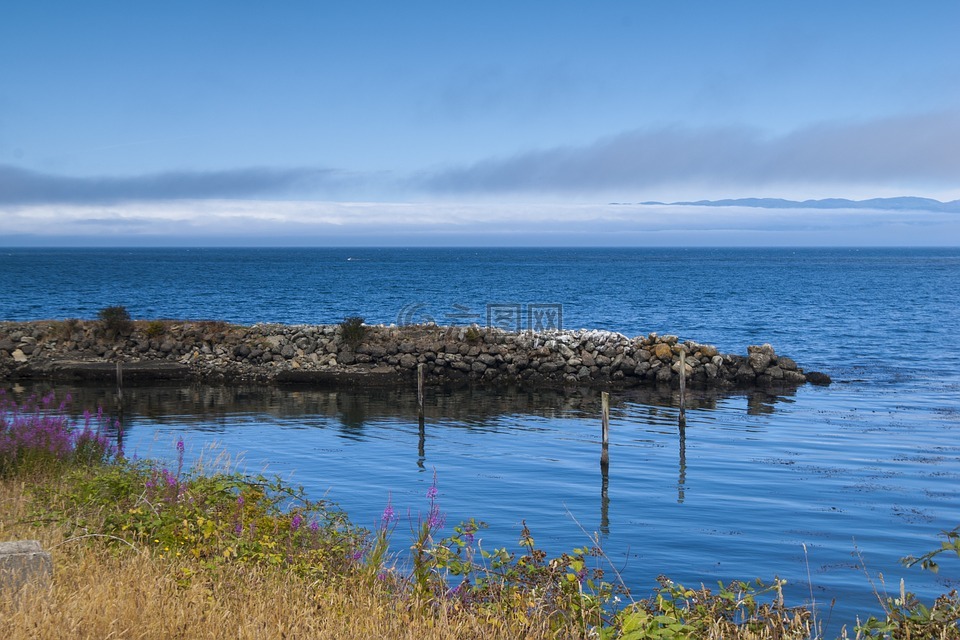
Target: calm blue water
869, 465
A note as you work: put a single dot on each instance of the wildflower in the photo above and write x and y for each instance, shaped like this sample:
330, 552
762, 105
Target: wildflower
432, 492
314, 526
388, 514
296, 522
180, 446
436, 519
239, 501
238, 528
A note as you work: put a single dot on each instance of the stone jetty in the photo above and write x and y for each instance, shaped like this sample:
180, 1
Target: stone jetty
332, 355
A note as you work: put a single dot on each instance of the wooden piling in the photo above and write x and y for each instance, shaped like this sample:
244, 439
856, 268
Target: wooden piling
605, 427
683, 387
421, 372
120, 386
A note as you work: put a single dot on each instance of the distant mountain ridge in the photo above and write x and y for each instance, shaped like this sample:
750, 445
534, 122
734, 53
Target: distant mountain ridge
903, 203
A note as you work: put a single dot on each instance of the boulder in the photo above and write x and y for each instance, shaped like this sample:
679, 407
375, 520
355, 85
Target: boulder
663, 351
23, 561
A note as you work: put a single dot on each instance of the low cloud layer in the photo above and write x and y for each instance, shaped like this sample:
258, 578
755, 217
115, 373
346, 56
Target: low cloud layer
21, 186
303, 223
918, 150
910, 154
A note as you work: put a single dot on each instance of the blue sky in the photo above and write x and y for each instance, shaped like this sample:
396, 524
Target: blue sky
451, 123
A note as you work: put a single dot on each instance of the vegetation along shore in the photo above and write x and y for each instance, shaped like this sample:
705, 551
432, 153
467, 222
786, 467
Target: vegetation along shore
352, 352
143, 549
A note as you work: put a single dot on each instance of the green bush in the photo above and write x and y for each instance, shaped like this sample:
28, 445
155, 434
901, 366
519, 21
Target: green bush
115, 321
352, 331
155, 328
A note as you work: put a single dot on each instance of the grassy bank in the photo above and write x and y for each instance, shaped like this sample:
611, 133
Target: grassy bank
150, 551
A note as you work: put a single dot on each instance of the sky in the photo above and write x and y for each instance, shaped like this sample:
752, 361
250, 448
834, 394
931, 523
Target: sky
502, 123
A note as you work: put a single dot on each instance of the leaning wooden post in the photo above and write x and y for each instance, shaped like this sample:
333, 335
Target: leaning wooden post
120, 386
421, 369
605, 427
683, 387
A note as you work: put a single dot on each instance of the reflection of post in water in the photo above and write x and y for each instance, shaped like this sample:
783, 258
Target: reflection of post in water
605, 463
682, 478
119, 406
604, 498
421, 447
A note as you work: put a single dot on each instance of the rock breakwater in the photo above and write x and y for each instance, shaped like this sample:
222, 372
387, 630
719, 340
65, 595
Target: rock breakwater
218, 352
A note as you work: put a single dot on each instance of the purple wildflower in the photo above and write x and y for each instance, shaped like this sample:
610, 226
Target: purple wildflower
296, 522
436, 520
314, 526
180, 446
388, 514
238, 528
239, 501
432, 492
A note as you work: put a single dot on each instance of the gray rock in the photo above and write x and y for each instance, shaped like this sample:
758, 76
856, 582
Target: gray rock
787, 364
487, 359
23, 561
794, 377
759, 361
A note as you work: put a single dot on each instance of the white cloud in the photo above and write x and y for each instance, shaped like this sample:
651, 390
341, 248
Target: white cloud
206, 222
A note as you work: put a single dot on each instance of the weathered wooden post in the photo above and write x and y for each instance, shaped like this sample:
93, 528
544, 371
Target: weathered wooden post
683, 387
605, 463
120, 386
605, 427
421, 368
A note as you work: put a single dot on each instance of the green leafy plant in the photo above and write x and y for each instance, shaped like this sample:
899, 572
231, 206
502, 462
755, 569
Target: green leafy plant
115, 321
473, 334
352, 331
155, 328
212, 519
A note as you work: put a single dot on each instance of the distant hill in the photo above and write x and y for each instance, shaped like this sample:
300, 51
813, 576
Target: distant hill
905, 203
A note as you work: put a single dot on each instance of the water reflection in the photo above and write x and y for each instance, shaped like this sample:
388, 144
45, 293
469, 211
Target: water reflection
682, 476
208, 407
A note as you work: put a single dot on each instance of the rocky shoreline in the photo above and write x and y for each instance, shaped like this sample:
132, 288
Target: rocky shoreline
338, 355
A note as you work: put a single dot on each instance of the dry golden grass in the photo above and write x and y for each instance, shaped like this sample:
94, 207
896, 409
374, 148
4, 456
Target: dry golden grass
114, 591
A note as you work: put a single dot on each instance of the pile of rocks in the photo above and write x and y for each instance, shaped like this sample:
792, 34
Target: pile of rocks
218, 352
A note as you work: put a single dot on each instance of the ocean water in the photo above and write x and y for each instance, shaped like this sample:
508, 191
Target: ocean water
826, 487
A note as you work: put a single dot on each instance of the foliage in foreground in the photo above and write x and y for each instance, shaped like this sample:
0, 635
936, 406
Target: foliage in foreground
205, 526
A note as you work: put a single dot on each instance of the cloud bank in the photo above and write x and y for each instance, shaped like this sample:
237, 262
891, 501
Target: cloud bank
906, 150
21, 186
915, 153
